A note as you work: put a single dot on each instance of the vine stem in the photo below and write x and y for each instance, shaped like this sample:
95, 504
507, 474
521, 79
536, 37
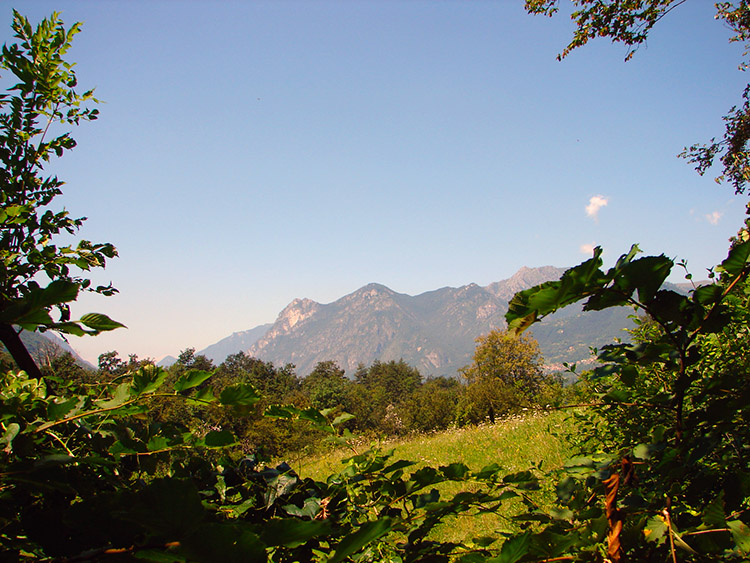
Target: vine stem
63, 444
47, 425
671, 537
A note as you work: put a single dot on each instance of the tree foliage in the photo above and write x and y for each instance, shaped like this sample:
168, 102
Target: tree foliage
43, 99
664, 472
629, 22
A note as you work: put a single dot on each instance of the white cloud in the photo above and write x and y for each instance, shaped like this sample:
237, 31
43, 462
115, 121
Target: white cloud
595, 204
714, 217
587, 248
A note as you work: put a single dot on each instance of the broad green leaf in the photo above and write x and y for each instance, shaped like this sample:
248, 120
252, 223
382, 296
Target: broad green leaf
281, 411
656, 528
344, 417
741, 534
11, 431
119, 448
708, 294
366, 533
219, 438
99, 322
736, 260
69, 327
628, 375
455, 470
58, 410
157, 443
713, 515
520, 477
121, 395
241, 394
646, 275
644, 451
514, 549
292, 532
314, 416
58, 291
148, 379
528, 306
191, 379
309, 510
205, 395
424, 499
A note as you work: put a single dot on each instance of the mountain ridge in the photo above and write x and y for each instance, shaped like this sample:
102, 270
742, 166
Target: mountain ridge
435, 331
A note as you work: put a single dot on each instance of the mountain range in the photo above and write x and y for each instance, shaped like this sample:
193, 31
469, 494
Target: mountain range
434, 331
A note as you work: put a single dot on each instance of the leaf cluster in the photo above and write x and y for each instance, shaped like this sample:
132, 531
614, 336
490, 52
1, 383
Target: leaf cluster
41, 101
663, 469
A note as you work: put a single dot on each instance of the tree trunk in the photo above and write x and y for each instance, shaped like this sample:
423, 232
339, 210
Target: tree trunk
18, 351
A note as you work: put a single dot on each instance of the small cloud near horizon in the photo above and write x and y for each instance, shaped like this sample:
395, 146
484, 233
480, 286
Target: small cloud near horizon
595, 204
714, 217
587, 248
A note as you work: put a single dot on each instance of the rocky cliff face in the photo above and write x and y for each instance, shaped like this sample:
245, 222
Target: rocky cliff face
433, 331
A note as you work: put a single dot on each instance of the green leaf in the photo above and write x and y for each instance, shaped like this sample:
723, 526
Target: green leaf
424, 499
644, 451
455, 471
148, 379
292, 532
157, 443
344, 417
314, 416
191, 379
58, 410
628, 375
514, 549
366, 533
281, 411
204, 395
736, 260
121, 395
219, 439
11, 431
99, 322
656, 528
529, 305
708, 294
741, 534
713, 515
242, 394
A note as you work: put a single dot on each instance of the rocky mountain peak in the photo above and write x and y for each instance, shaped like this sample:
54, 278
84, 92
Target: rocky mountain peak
524, 278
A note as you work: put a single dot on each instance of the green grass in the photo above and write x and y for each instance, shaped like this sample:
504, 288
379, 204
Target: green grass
515, 445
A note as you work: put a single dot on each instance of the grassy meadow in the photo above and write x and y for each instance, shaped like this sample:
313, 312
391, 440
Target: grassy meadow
515, 444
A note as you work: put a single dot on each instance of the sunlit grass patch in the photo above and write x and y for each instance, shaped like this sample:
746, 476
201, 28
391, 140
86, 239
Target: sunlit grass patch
516, 444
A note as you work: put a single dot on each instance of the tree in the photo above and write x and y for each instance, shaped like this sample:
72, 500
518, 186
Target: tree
432, 406
507, 358
187, 360
43, 99
378, 392
630, 22
326, 386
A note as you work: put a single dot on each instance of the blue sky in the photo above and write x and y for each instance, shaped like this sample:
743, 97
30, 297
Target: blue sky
249, 153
